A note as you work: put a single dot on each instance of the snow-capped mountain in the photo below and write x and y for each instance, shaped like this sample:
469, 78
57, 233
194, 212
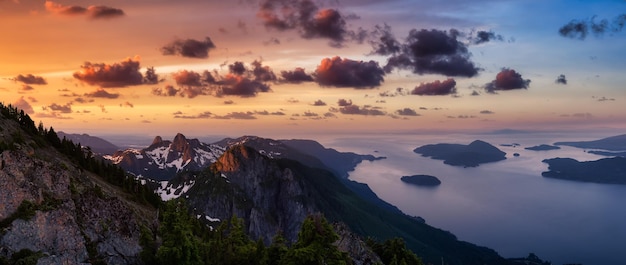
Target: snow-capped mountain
163, 159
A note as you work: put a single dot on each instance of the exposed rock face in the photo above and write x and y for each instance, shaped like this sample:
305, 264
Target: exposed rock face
64, 223
352, 244
252, 186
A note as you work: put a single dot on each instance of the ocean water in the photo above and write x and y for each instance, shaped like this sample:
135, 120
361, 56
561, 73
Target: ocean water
507, 206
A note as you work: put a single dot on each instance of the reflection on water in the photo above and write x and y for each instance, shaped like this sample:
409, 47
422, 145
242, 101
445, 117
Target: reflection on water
507, 205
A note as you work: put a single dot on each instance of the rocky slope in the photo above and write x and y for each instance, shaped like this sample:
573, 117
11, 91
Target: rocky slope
71, 223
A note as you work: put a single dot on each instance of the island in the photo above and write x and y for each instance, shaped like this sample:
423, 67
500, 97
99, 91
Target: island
542, 147
472, 155
422, 180
606, 170
614, 143
607, 153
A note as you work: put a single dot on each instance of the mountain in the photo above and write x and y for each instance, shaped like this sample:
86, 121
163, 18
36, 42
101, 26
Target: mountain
276, 194
614, 143
606, 170
97, 144
313, 154
472, 155
53, 210
542, 147
163, 159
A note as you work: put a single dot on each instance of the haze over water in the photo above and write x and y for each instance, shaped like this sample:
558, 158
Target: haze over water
507, 206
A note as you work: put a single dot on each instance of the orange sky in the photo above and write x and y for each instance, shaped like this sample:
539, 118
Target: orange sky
81, 66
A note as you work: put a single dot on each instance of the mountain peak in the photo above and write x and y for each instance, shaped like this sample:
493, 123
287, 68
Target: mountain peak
157, 140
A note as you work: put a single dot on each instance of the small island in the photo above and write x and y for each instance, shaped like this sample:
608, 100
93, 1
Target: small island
607, 153
542, 147
422, 180
472, 155
614, 143
606, 170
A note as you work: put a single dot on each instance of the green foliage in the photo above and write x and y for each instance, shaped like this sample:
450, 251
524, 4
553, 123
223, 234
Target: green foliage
179, 246
25, 211
315, 245
394, 252
22, 257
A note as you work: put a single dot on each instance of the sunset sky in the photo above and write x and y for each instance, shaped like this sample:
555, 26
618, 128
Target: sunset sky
274, 67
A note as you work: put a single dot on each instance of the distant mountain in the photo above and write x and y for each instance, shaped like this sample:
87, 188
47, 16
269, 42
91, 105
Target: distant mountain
97, 144
542, 147
163, 159
472, 155
607, 153
614, 143
606, 170
422, 180
339, 162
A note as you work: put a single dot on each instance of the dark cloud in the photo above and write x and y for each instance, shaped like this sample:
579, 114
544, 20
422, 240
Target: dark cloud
399, 91
343, 102
94, 12
486, 112
310, 114
237, 68
507, 79
561, 80
475, 93
339, 72
122, 74
602, 99
82, 100
127, 104
296, 76
265, 113
67, 108
229, 102
357, 110
101, 93
407, 112
237, 85
262, 73
22, 104
482, 36
310, 21
383, 41
187, 78
151, 77
30, 79
272, 41
425, 52
189, 48
436, 88
319, 102
579, 29
104, 12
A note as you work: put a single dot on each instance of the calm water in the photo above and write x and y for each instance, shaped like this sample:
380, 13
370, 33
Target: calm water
507, 205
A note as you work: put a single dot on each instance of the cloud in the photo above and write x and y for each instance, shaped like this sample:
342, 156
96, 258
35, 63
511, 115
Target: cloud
22, 104
67, 108
339, 72
122, 74
189, 48
310, 114
262, 73
203, 115
561, 80
265, 113
481, 36
305, 17
229, 102
579, 29
425, 52
343, 102
296, 76
127, 104
407, 112
319, 102
187, 78
399, 91
101, 93
237, 116
237, 68
30, 79
357, 110
236, 85
26, 88
507, 79
486, 112
436, 88
94, 12
167, 91
82, 100
475, 93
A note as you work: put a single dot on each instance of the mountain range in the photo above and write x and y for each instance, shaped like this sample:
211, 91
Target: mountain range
62, 204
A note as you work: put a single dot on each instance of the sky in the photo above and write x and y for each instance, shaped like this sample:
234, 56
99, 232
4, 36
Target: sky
305, 67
